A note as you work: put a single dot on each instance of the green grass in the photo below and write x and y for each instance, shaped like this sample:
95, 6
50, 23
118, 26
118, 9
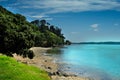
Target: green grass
10, 69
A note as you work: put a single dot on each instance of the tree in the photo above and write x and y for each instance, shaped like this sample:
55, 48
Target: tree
16, 34
52, 35
67, 42
36, 22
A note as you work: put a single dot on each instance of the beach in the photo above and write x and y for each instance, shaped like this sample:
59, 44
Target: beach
45, 62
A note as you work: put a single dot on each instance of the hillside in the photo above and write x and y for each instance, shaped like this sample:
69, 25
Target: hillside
17, 35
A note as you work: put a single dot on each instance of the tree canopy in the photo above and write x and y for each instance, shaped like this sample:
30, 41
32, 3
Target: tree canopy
17, 35
52, 35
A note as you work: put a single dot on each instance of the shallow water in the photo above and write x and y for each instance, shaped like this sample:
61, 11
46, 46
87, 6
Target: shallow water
99, 62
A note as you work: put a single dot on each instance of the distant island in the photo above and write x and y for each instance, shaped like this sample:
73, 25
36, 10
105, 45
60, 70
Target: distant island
109, 42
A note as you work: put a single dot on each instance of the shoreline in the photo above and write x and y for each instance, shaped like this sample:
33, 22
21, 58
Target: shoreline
45, 62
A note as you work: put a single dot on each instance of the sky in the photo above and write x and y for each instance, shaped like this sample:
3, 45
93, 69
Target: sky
80, 20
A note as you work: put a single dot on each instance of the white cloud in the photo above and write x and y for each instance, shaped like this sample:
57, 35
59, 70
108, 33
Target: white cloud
46, 7
58, 6
94, 27
49, 19
116, 24
39, 16
42, 17
74, 32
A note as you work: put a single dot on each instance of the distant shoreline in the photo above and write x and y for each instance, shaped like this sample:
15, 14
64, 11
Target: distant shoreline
117, 43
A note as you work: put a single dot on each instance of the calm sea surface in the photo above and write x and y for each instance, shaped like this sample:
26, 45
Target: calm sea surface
101, 62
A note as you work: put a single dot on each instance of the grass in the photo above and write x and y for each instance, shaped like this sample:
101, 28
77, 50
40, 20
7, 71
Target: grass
10, 69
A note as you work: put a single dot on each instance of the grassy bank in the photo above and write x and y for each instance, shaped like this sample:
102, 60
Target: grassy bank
10, 69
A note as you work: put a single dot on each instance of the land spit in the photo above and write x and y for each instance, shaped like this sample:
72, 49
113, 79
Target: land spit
45, 62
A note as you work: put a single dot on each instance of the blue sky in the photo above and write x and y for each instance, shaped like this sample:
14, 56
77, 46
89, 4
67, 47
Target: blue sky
80, 20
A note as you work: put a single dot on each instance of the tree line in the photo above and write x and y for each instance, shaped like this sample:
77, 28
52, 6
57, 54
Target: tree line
52, 35
17, 35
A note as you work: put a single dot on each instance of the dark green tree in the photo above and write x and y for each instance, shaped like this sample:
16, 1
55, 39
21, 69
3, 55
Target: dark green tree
52, 35
67, 42
16, 34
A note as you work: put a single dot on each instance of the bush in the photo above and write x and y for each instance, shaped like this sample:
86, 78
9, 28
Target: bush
30, 54
26, 53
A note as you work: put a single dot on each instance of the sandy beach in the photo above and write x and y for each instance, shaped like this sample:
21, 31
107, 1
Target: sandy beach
45, 62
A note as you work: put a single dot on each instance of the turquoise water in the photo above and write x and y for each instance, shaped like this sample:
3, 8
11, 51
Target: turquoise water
99, 62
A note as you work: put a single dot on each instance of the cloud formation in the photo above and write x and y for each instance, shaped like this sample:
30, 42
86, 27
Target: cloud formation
94, 27
74, 32
116, 24
56, 6
46, 7
2, 0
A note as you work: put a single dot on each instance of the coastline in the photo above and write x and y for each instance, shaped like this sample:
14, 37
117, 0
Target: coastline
45, 62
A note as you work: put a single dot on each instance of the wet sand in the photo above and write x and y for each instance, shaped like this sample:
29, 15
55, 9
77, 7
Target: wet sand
45, 62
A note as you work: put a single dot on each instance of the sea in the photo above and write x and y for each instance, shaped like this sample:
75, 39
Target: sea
94, 61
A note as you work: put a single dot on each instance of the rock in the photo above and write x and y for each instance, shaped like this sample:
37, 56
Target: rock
49, 68
50, 74
68, 67
45, 60
54, 73
25, 62
57, 73
65, 75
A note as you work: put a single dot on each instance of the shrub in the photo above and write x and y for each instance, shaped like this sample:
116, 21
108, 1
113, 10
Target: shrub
30, 54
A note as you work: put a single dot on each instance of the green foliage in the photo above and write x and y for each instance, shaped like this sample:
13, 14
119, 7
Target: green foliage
18, 35
10, 69
51, 35
67, 42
